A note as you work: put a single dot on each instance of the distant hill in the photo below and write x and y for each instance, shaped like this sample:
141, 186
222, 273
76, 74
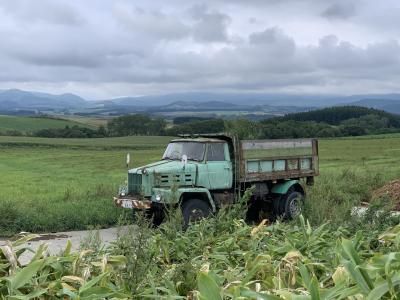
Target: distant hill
209, 109
193, 105
15, 99
31, 124
337, 114
388, 105
249, 99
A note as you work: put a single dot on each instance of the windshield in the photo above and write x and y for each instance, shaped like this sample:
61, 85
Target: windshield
193, 151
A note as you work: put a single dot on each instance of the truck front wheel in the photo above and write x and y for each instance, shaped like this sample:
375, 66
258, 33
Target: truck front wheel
194, 210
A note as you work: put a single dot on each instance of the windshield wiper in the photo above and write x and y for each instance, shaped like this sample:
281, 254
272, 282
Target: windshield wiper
194, 159
169, 158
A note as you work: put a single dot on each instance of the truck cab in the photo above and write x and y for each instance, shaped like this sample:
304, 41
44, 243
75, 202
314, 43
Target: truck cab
208, 160
200, 174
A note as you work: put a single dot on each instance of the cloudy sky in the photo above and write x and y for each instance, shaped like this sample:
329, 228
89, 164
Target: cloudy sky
104, 48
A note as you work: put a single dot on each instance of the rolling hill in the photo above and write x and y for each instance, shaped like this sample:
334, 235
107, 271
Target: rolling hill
14, 99
337, 114
250, 99
388, 105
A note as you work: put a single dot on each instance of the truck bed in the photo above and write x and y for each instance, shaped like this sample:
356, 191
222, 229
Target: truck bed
278, 159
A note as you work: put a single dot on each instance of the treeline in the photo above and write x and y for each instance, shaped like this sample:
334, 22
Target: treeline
337, 114
72, 132
327, 122
131, 125
136, 125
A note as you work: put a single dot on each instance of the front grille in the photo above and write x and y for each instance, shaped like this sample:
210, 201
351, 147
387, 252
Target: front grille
134, 183
172, 179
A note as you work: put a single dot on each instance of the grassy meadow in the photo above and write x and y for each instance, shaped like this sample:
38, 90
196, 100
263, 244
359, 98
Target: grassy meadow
58, 184
67, 184
30, 124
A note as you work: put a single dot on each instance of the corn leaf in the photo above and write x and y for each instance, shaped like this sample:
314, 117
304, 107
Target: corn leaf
208, 288
24, 275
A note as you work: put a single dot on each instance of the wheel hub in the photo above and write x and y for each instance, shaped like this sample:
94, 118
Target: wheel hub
196, 214
294, 207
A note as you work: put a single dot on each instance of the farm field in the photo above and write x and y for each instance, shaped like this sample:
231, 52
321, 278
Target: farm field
68, 184
30, 124
88, 121
59, 184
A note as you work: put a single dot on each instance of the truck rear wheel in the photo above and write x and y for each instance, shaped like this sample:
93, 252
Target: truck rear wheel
194, 210
292, 204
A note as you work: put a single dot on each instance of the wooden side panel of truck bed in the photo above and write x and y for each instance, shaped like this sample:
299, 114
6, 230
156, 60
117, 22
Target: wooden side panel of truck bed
278, 159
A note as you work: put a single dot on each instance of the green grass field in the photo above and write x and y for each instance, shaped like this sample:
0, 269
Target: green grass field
66, 184
30, 124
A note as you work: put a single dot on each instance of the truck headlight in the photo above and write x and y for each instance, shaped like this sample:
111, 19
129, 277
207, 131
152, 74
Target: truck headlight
123, 190
158, 197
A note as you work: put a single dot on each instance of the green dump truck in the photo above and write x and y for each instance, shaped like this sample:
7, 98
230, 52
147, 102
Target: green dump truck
203, 173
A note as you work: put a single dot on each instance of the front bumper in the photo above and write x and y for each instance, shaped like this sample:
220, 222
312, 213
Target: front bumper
132, 203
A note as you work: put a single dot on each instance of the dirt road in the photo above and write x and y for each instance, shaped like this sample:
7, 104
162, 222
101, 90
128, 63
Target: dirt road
57, 241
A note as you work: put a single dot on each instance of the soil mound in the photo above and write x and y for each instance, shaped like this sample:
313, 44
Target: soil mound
391, 190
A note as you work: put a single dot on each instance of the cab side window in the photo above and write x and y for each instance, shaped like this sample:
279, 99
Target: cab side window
216, 152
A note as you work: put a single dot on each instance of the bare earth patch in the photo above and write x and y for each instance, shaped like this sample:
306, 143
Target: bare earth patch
390, 190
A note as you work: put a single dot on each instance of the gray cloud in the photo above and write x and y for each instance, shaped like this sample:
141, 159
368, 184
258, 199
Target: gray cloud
153, 23
101, 49
343, 10
210, 26
55, 11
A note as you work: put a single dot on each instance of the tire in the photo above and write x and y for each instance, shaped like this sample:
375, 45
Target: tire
254, 210
157, 217
292, 203
194, 210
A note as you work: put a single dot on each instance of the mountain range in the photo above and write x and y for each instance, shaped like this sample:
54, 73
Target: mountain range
13, 100
17, 99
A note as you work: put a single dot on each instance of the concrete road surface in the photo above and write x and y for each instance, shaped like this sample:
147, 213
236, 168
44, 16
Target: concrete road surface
57, 241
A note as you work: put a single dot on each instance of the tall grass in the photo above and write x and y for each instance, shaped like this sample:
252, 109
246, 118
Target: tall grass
219, 258
223, 257
335, 193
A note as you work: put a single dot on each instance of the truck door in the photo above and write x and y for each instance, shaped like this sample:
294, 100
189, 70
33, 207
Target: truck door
219, 166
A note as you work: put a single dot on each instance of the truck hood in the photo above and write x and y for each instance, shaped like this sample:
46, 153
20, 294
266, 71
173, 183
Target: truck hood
165, 166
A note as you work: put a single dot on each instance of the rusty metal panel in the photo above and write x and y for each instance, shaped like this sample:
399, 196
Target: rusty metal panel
279, 165
276, 144
253, 167
254, 177
278, 159
266, 166
274, 148
305, 163
293, 164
